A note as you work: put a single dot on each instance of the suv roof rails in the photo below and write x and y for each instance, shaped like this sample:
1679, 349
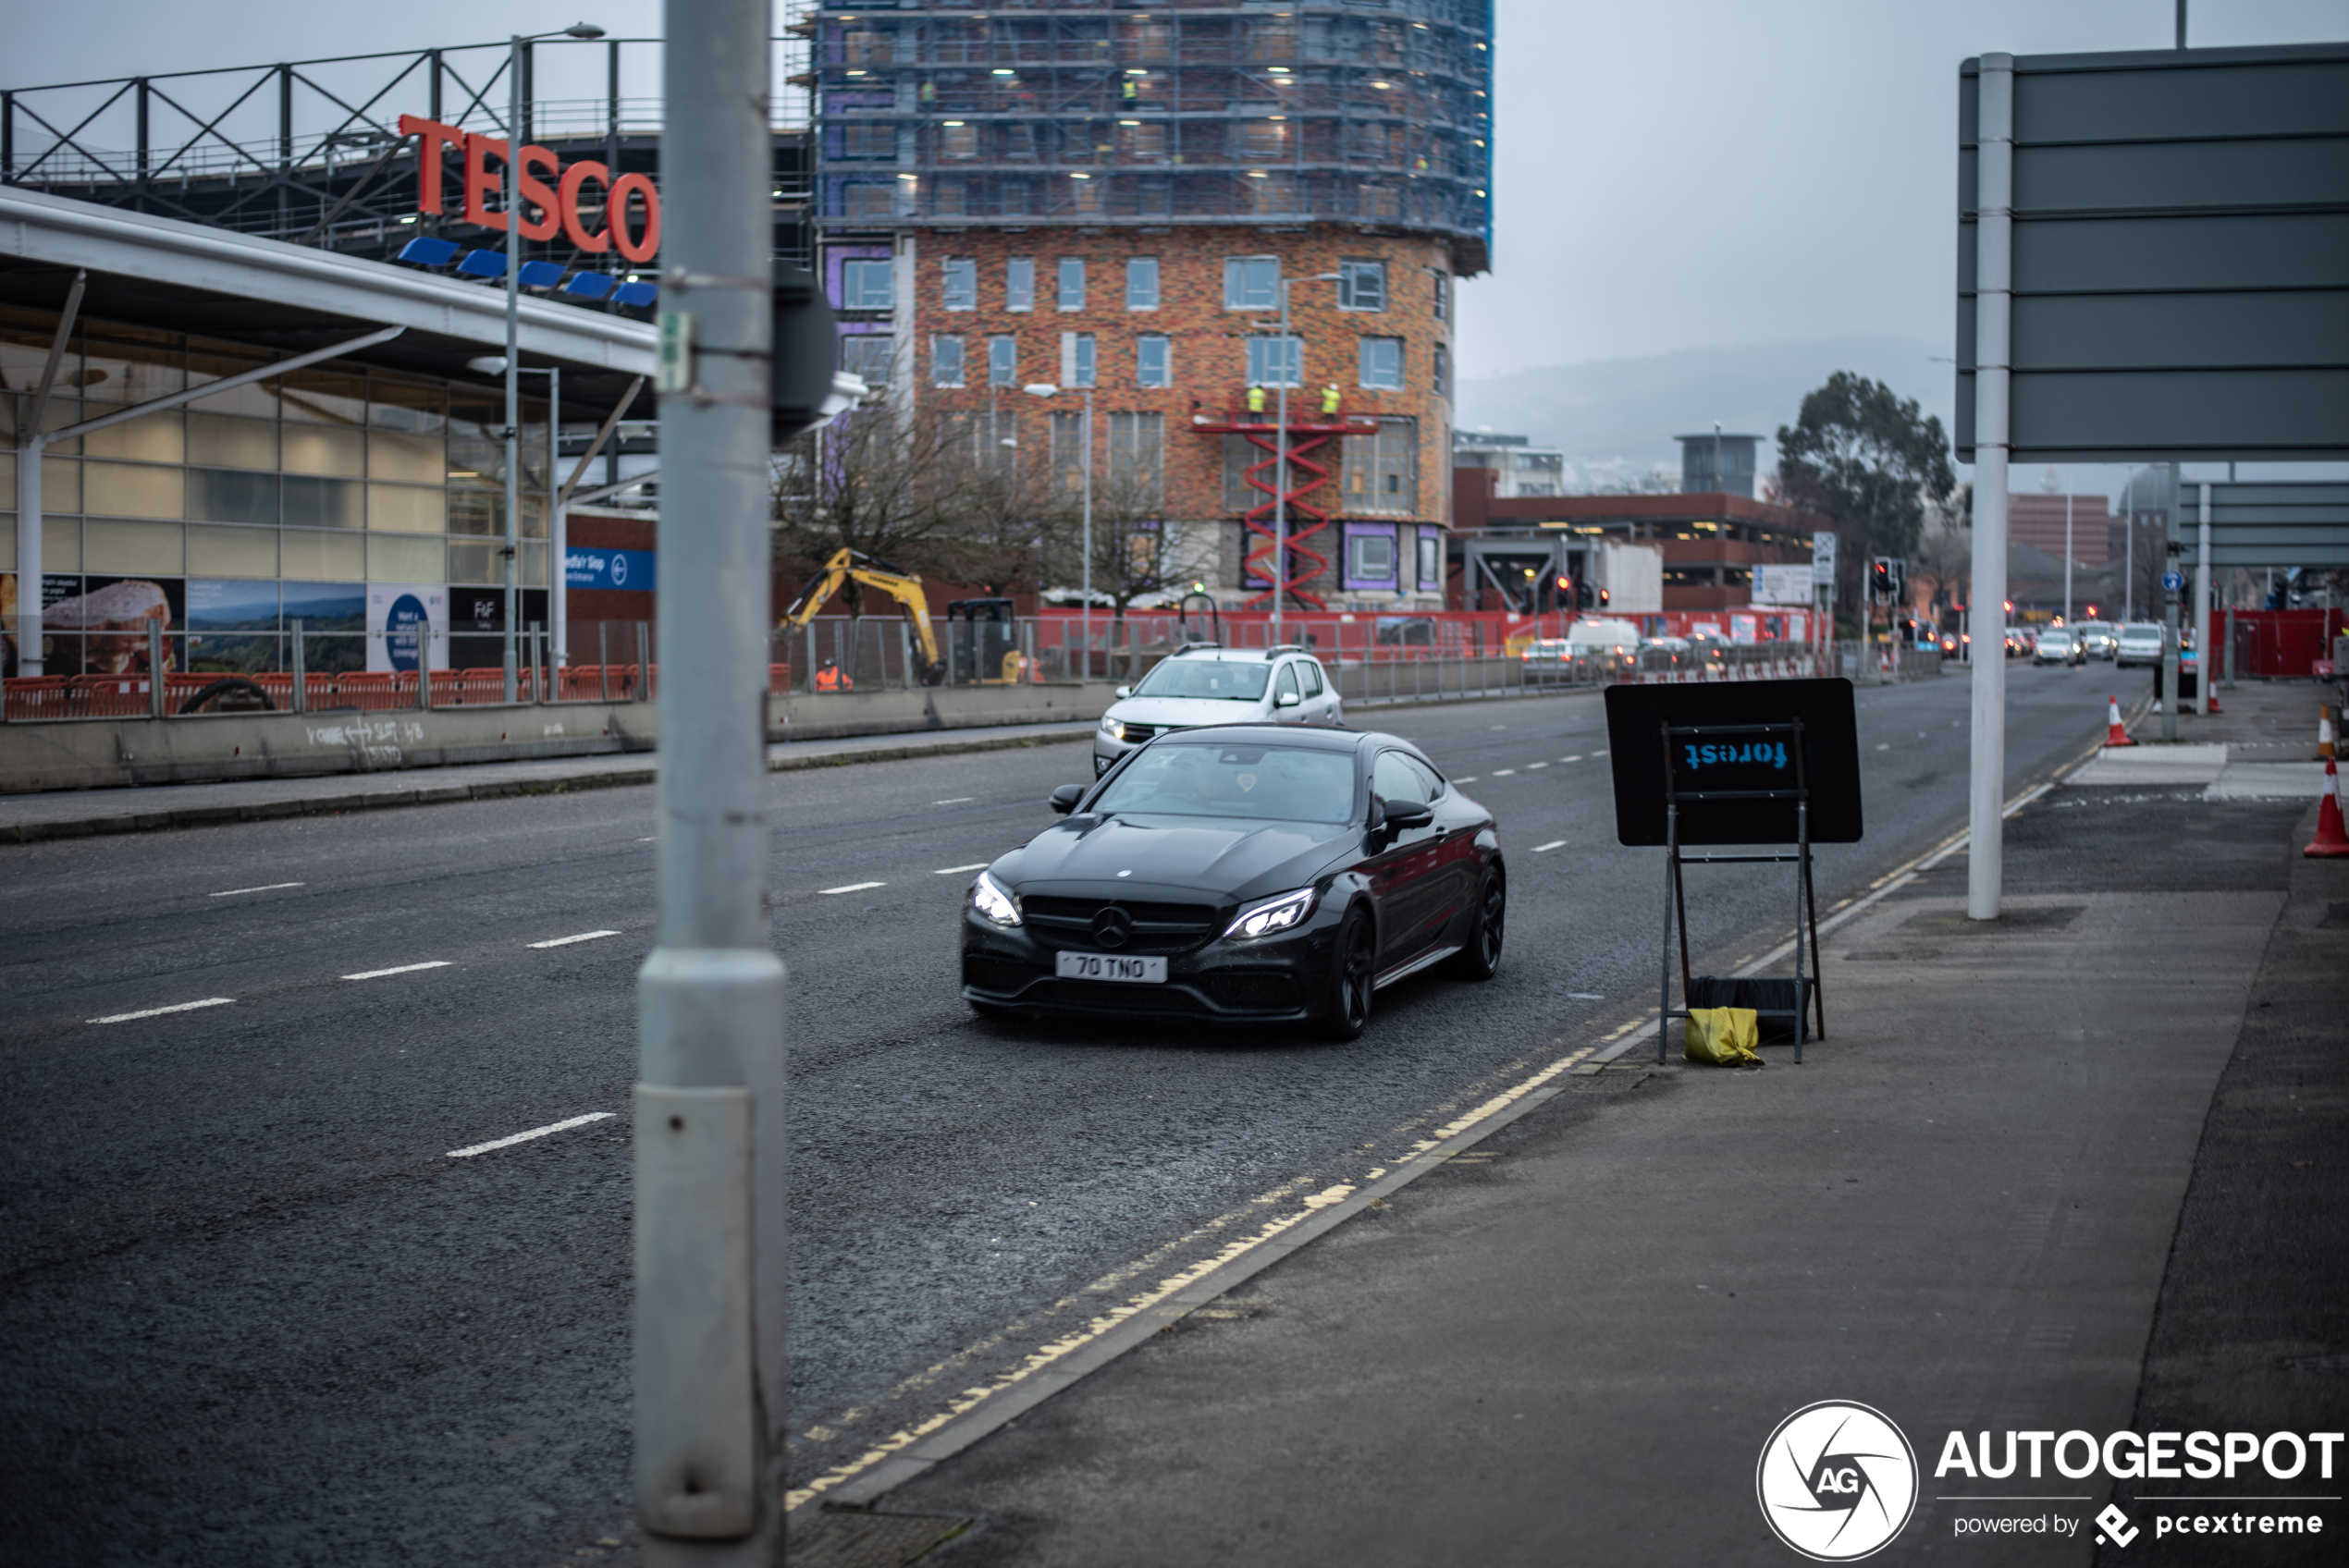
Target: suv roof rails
1277, 649
1198, 647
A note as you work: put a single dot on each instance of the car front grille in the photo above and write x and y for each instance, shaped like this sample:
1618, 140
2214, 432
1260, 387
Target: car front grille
1105, 997
1137, 733
1158, 928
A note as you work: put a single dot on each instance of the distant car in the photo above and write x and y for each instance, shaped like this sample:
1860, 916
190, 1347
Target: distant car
2138, 647
2018, 643
1212, 685
1949, 644
2098, 637
1241, 873
2059, 645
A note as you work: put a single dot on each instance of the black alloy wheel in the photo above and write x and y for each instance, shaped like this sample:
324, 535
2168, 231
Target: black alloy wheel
1347, 1010
1482, 955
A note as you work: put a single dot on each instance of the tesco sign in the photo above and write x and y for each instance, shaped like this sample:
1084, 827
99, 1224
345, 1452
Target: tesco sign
557, 205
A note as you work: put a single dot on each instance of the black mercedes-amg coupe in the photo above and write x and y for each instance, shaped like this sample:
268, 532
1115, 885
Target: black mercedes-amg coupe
1248, 872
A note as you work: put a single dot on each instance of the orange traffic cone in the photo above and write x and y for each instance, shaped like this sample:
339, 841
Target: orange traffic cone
2331, 838
2113, 734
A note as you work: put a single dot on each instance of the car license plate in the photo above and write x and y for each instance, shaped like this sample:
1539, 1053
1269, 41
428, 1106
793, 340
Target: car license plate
1110, 966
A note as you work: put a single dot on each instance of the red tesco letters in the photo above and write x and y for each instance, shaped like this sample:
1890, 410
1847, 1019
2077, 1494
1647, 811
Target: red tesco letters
557, 205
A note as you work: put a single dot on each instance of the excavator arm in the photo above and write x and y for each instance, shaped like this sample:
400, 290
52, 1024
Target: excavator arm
847, 565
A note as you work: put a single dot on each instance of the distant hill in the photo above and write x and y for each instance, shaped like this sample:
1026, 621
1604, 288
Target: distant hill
1628, 410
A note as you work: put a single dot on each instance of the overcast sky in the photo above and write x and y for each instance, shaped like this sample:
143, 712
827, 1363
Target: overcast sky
1670, 176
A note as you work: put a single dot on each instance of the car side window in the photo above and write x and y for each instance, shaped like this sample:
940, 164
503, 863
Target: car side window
1394, 778
1288, 686
1431, 782
1312, 673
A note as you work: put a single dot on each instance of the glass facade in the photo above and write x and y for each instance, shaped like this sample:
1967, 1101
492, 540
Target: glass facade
239, 513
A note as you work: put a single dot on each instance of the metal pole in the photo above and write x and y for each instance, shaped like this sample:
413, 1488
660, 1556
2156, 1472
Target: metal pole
2067, 558
2206, 668
513, 362
558, 526
709, 1132
1280, 471
2170, 553
1994, 301
155, 704
301, 670
1089, 540
30, 442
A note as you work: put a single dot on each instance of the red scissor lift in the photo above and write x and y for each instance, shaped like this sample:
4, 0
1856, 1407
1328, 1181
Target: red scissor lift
1308, 431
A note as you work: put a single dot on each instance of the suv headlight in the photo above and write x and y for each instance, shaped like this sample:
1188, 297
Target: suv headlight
1274, 914
1113, 729
992, 903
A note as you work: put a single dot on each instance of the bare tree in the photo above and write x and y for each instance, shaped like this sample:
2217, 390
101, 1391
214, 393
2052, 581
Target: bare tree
868, 482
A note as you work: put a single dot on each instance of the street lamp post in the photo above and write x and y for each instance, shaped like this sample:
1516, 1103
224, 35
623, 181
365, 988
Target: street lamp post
512, 180
1046, 389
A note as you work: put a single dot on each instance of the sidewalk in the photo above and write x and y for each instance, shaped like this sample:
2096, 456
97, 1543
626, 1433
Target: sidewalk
1569, 1343
79, 812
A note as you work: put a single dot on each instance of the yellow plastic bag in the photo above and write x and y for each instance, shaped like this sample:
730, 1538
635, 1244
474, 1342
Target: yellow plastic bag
1724, 1036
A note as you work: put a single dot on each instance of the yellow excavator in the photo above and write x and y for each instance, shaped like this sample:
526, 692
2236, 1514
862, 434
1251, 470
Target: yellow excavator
854, 566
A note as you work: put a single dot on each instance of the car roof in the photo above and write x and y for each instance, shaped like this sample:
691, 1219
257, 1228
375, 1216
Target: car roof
1240, 655
1309, 737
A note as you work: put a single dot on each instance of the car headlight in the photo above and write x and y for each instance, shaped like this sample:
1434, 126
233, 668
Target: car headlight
992, 903
1113, 729
1274, 914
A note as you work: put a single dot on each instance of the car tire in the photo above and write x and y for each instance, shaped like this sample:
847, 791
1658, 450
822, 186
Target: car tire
1482, 957
1346, 1004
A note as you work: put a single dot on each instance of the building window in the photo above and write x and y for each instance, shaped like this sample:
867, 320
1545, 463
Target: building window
1382, 471
1145, 140
1274, 360
867, 286
867, 354
962, 286
871, 199
1068, 448
1076, 359
865, 140
1003, 361
1141, 283
1019, 284
1153, 359
1153, 196
1369, 556
1252, 283
1249, 480
1072, 283
1442, 373
1362, 285
1012, 198
958, 139
1085, 194
1431, 560
949, 199
945, 361
1383, 364
1136, 460
1443, 295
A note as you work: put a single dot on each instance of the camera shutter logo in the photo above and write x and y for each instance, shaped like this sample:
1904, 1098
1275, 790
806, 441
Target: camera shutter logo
1837, 1481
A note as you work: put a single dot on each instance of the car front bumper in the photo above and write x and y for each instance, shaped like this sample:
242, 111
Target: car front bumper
1263, 980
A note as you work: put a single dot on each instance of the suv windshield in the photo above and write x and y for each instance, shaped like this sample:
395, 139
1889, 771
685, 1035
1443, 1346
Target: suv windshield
1224, 678
1188, 778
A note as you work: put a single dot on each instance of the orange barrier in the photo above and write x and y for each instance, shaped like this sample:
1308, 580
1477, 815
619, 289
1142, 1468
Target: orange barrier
29, 698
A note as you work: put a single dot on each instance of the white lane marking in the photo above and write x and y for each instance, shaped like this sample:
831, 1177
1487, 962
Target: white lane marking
1552, 844
957, 801
534, 1133
1470, 779
851, 887
1497, 728
956, 869
1586, 996
159, 1011
1886, 747
1532, 765
1575, 758
654, 838
1503, 772
1600, 753
265, 887
399, 968
566, 941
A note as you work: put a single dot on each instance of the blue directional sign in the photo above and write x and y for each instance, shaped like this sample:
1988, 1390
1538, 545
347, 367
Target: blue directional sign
2172, 582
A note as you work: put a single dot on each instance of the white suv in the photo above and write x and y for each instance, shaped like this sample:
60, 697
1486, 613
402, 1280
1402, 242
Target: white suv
1211, 685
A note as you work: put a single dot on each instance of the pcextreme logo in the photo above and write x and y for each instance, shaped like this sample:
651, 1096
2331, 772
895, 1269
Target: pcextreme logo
1837, 1481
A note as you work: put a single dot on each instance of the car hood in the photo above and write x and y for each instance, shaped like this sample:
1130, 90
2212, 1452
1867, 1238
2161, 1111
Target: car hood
1184, 713
1175, 858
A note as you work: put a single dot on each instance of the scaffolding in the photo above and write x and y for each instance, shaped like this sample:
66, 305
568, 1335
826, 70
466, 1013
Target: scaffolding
1309, 512
1091, 114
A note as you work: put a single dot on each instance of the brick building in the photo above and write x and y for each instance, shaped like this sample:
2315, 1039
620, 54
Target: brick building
1098, 199
2038, 520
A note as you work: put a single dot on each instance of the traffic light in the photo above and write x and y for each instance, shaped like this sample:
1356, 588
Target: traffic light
807, 347
1886, 576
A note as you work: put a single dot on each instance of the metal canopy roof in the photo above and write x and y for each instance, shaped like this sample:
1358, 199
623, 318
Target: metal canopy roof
174, 276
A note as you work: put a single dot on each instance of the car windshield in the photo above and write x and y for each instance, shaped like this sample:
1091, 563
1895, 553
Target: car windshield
1284, 783
1226, 679
2142, 631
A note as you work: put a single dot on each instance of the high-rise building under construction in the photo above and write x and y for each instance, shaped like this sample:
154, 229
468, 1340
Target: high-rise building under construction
1122, 200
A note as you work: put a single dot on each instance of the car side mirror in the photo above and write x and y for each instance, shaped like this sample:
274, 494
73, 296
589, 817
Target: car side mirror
1409, 813
1125, 691
1063, 799
1288, 699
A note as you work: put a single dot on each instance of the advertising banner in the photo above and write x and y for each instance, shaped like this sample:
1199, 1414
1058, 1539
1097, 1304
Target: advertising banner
635, 571
395, 611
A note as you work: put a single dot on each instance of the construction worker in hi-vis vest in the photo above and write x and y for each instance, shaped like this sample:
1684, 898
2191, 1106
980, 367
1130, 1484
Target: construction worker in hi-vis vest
1256, 400
1329, 398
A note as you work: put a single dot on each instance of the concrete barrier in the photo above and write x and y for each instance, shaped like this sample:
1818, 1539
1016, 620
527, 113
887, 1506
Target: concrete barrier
802, 715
